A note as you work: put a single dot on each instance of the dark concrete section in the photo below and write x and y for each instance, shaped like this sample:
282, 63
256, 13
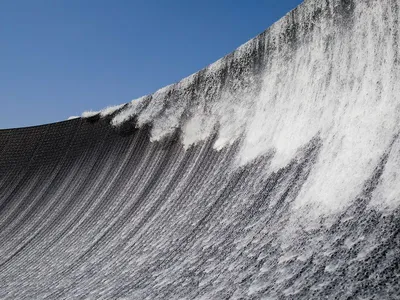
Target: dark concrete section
88, 213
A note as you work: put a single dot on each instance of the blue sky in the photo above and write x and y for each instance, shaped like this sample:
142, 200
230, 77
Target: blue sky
61, 57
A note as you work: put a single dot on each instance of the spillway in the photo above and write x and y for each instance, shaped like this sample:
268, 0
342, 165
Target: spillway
271, 174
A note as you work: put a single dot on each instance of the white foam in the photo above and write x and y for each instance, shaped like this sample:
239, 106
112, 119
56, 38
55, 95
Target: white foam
339, 84
110, 110
344, 96
89, 113
155, 106
197, 129
132, 109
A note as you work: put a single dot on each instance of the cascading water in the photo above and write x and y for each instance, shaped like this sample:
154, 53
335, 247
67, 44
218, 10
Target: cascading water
270, 174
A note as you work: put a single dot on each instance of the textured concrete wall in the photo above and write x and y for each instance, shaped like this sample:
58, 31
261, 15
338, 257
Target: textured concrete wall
272, 174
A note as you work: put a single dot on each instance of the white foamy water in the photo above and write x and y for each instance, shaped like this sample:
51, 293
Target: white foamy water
325, 71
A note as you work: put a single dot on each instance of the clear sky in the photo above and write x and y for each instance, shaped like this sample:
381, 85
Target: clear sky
61, 57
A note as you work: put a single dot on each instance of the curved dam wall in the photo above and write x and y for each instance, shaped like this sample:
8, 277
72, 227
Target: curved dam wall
271, 174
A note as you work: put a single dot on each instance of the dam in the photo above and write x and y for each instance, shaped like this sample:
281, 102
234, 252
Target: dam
271, 174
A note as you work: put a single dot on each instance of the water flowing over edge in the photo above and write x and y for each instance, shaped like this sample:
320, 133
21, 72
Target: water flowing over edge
328, 70
245, 190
